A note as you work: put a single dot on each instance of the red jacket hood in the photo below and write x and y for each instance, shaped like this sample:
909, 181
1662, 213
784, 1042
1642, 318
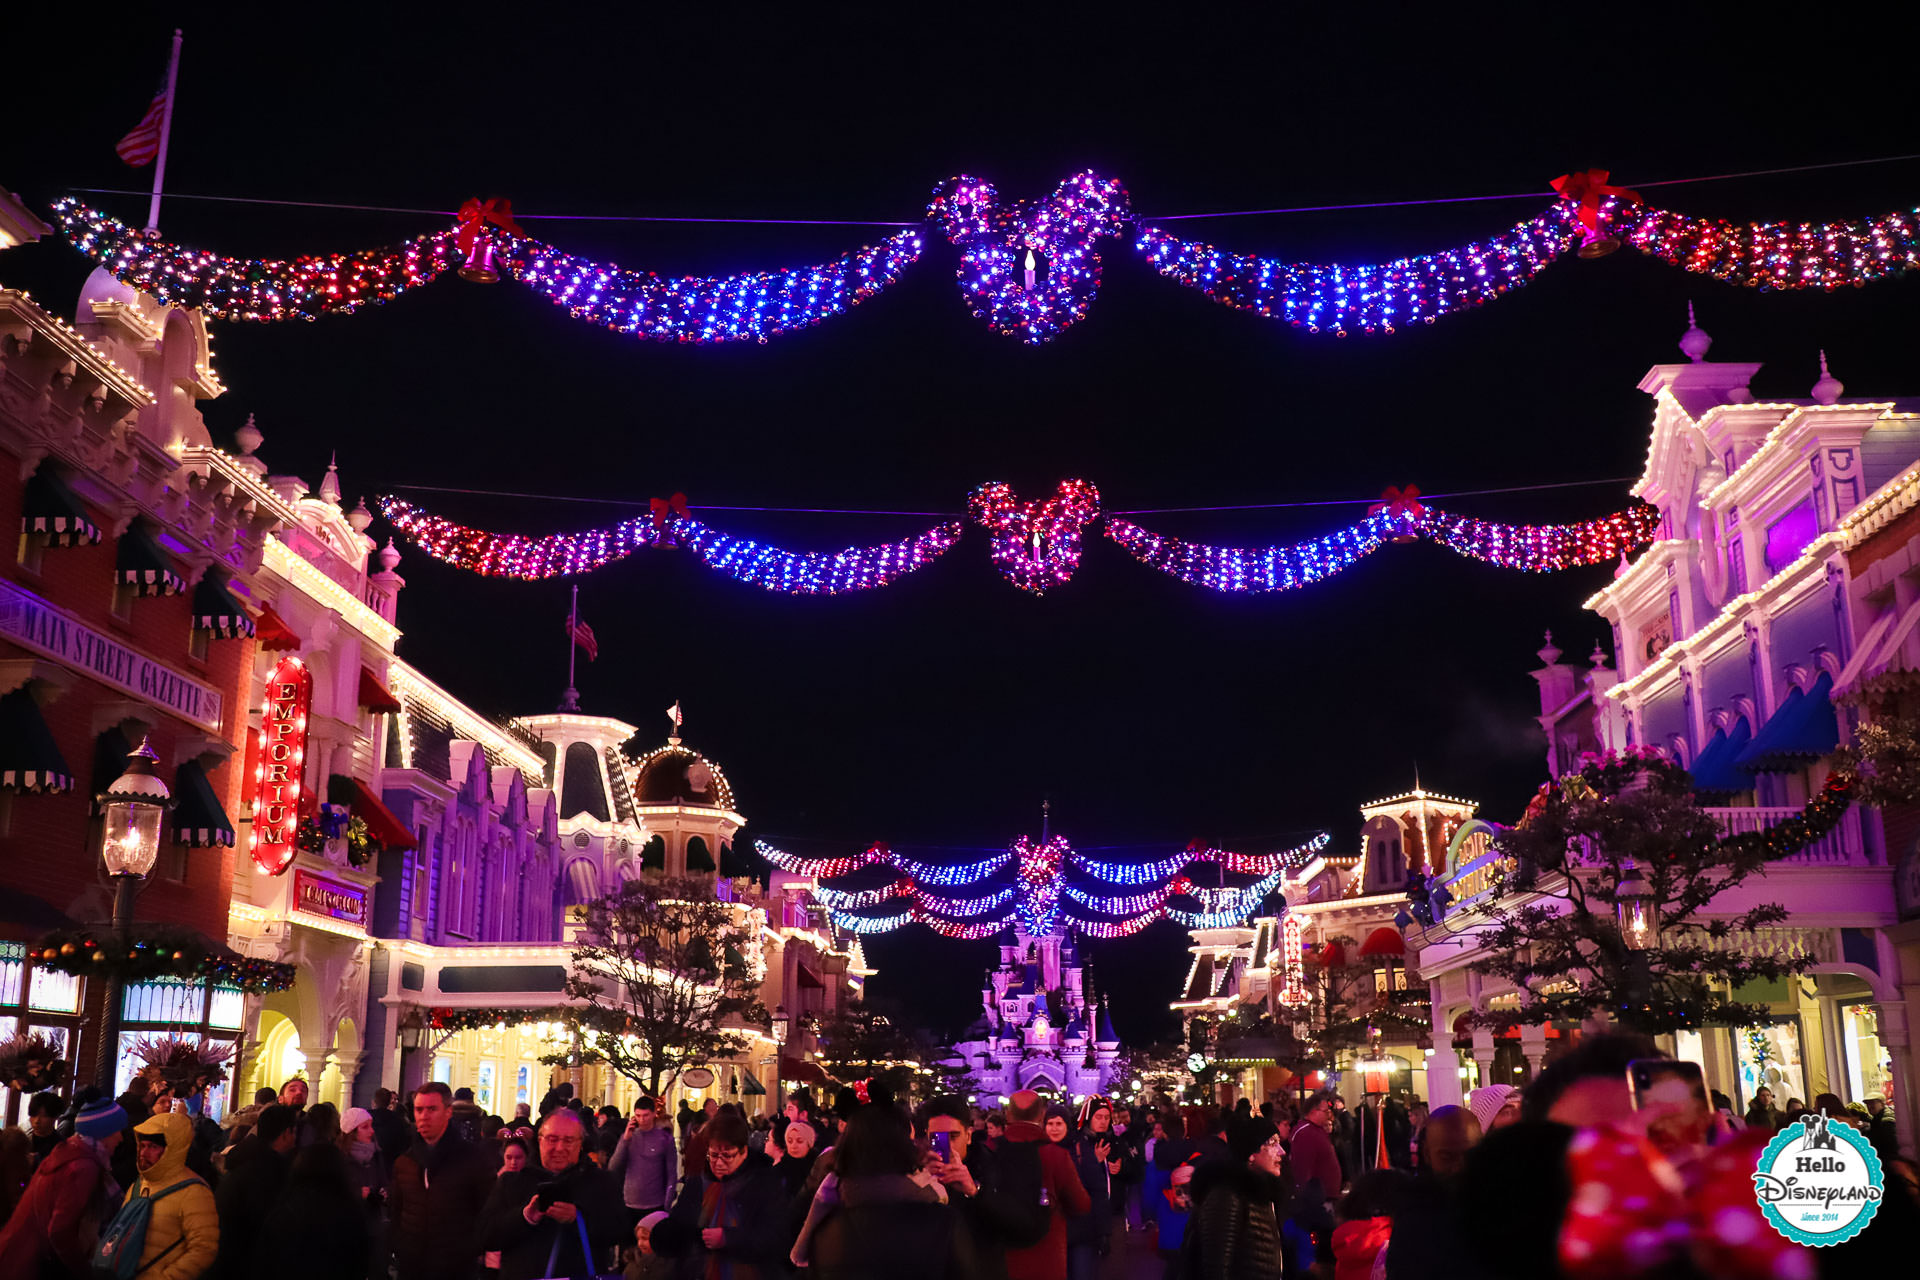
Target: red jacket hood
1025, 1131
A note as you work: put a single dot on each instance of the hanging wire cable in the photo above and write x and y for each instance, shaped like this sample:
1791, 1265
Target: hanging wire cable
1535, 194
1136, 511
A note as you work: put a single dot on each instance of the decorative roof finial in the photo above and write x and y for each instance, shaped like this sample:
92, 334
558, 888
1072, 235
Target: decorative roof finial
1598, 657
360, 517
330, 483
248, 437
1694, 342
1828, 389
1549, 654
389, 556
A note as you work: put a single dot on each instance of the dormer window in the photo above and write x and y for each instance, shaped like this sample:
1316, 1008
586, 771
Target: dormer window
1788, 536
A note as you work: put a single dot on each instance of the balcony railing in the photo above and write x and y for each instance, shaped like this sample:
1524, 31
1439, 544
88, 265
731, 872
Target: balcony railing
1841, 847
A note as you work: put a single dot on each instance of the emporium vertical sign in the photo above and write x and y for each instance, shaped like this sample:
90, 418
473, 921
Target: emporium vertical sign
276, 778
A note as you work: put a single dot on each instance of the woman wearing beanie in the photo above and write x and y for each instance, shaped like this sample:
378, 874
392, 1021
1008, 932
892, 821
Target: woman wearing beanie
367, 1170
1235, 1231
1494, 1106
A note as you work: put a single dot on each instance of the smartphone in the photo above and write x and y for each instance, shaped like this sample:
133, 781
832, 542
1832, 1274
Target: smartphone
546, 1195
1673, 1096
942, 1144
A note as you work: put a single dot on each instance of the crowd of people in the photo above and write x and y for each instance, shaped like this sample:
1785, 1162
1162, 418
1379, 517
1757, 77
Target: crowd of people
147, 1187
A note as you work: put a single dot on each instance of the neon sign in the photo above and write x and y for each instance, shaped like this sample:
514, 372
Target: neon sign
276, 778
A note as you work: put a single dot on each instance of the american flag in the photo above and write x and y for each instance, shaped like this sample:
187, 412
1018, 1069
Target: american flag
583, 636
141, 147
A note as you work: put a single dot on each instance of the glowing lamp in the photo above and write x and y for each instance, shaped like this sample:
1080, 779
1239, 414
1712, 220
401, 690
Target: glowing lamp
1637, 908
780, 1024
133, 806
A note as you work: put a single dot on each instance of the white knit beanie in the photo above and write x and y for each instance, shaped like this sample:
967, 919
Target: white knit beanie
1486, 1102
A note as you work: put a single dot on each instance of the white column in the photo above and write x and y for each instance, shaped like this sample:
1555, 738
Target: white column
1533, 1045
1443, 1068
1896, 1030
1483, 1054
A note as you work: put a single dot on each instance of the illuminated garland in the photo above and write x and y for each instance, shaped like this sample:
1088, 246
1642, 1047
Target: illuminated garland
1028, 268
463, 1019
752, 305
798, 573
1034, 903
1036, 545
1371, 298
1261, 864
1529, 548
259, 289
157, 951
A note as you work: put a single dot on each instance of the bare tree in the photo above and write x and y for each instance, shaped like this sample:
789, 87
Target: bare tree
664, 975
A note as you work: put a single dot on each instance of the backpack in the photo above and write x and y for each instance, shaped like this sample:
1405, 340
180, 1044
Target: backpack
116, 1256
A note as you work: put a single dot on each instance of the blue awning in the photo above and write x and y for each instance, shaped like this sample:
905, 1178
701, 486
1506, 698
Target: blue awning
30, 761
199, 819
1800, 732
1713, 769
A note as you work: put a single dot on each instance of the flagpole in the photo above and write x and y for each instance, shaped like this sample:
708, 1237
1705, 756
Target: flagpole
166, 128
571, 700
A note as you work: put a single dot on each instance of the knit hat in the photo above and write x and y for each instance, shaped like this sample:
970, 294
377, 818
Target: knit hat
100, 1119
354, 1118
654, 1219
1247, 1134
1486, 1102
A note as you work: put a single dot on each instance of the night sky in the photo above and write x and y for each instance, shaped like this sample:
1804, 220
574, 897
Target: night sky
941, 711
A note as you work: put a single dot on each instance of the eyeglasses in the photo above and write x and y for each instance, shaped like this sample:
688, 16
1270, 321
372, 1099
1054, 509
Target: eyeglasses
559, 1140
719, 1155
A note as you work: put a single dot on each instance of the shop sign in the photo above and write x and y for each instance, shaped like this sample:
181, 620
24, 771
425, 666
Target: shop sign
318, 896
34, 624
276, 777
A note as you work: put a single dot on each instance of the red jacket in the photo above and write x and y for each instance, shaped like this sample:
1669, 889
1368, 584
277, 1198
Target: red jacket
1356, 1244
59, 1214
1047, 1260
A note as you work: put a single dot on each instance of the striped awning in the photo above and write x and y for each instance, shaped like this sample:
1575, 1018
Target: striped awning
51, 510
140, 563
215, 610
30, 760
199, 819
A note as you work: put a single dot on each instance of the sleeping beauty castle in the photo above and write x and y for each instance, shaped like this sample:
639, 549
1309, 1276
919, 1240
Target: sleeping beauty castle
1040, 1031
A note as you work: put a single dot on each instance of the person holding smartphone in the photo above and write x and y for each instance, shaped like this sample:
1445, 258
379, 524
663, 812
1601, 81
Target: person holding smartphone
559, 1217
645, 1162
995, 1193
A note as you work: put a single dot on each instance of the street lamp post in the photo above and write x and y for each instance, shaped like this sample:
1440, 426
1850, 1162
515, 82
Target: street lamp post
780, 1024
1637, 911
131, 808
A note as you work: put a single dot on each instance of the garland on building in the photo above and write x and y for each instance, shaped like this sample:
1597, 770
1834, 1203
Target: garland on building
1028, 269
479, 1019
1040, 898
157, 951
1035, 544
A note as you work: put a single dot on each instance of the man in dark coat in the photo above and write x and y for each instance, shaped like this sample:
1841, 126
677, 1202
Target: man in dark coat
996, 1193
390, 1131
256, 1172
730, 1218
539, 1216
440, 1186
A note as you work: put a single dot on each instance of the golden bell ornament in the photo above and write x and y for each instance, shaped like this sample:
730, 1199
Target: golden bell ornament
479, 268
99, 957
1597, 244
179, 955
67, 948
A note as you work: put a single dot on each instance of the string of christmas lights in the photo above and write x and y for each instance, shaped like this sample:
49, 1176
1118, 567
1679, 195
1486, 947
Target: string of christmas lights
1028, 268
1259, 864
1109, 930
1370, 298
947, 875
812, 573
752, 305
513, 555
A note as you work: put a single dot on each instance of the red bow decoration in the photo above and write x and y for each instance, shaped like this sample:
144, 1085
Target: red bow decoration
1402, 504
475, 217
1587, 190
1631, 1213
860, 1091
664, 509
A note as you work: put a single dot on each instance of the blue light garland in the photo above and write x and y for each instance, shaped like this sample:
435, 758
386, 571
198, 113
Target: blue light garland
812, 573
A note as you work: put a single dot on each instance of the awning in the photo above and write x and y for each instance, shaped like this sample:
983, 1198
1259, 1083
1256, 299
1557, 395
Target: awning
1800, 732
751, 1087
1383, 942
374, 695
1332, 956
798, 1071
1713, 769
271, 633
139, 562
50, 509
30, 761
808, 978
1862, 663
199, 819
383, 828
215, 610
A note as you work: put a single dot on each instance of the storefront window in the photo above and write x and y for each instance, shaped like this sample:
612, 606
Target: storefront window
1869, 1063
228, 1010
1769, 1055
54, 992
443, 1070
483, 1095
35, 999
523, 1084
